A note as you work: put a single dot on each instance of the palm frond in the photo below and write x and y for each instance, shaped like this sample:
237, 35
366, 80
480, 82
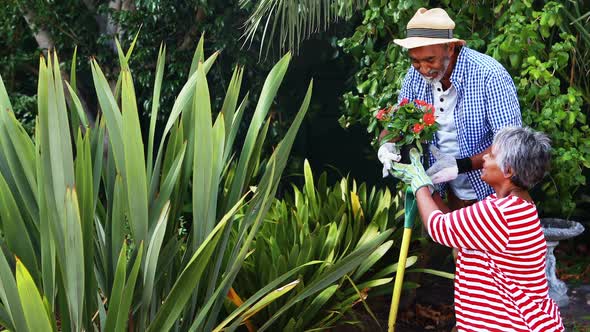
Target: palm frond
295, 20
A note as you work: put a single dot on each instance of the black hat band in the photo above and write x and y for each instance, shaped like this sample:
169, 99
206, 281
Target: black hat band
430, 33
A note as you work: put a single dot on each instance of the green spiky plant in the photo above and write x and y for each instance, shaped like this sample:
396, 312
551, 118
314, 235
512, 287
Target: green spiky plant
337, 225
90, 224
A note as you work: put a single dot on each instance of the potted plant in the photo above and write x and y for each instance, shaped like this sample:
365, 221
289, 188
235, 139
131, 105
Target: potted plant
408, 124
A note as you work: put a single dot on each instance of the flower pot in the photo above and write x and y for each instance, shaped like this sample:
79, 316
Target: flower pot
405, 154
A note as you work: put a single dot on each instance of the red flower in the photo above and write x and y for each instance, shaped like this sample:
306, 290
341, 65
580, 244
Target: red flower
382, 113
428, 118
417, 128
430, 108
404, 102
420, 102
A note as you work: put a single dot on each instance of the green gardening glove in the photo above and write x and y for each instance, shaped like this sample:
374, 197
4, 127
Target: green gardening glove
412, 174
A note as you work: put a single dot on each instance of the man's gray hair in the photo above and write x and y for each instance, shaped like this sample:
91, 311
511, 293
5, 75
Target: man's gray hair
525, 151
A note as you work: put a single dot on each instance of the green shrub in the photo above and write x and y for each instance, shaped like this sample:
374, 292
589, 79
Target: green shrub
540, 58
335, 225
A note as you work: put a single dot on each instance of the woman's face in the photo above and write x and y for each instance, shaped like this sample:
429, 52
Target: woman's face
491, 172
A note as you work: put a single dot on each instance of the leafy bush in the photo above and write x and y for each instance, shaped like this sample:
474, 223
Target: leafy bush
536, 44
92, 227
541, 72
347, 229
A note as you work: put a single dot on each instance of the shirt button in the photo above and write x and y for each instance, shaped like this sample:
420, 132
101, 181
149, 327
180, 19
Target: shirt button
441, 109
438, 89
441, 100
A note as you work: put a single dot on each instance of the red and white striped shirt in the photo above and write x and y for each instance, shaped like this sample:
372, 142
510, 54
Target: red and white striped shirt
500, 282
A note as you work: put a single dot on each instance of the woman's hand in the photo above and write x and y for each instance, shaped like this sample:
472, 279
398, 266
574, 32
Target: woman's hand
412, 174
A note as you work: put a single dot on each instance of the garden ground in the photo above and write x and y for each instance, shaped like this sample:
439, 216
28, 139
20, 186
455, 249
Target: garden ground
432, 310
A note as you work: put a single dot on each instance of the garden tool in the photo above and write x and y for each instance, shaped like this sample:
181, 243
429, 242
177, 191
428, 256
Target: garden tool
410, 207
414, 175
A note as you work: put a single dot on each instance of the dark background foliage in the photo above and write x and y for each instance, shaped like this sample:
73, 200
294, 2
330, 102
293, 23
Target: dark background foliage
178, 25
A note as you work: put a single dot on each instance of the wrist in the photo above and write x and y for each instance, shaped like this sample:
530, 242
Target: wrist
423, 183
464, 165
430, 188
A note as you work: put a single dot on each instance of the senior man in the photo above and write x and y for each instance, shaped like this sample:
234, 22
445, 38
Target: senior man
474, 97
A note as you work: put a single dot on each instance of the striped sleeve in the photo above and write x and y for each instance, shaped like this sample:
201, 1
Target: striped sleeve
481, 226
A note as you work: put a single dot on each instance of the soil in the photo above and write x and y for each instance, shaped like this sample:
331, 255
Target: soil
432, 310
426, 308
429, 307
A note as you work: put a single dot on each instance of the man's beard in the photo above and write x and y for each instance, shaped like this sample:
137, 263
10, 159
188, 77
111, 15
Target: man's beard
441, 73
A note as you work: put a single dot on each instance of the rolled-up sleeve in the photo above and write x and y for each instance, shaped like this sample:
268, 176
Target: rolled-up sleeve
501, 101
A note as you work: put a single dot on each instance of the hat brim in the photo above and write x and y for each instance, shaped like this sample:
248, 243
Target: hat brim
414, 42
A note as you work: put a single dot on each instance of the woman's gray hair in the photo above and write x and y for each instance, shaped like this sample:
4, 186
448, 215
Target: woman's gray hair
524, 151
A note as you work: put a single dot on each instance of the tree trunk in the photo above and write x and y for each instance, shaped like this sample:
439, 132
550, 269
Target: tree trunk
191, 36
41, 35
46, 43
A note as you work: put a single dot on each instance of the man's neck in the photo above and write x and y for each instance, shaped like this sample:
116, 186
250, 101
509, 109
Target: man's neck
446, 80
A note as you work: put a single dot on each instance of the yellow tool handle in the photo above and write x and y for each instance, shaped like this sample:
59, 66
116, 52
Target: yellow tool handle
399, 278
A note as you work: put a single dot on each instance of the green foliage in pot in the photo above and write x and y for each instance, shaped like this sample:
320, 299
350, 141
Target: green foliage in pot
90, 223
542, 45
349, 229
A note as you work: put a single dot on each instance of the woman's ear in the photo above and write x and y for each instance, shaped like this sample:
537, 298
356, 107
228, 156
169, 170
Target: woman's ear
508, 173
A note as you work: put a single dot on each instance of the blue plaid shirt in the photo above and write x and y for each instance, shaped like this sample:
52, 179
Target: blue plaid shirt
486, 102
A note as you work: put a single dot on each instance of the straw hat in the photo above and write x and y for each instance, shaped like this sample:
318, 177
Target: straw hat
428, 27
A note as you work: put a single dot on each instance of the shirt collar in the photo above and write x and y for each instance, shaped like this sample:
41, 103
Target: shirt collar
458, 74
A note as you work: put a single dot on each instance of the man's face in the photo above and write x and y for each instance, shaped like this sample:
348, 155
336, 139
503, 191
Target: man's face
431, 62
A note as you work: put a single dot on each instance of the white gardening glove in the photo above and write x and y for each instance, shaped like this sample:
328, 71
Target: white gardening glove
387, 154
444, 169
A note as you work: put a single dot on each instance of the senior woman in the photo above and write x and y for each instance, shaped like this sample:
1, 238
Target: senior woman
500, 282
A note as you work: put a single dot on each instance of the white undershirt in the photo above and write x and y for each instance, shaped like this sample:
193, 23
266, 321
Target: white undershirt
445, 102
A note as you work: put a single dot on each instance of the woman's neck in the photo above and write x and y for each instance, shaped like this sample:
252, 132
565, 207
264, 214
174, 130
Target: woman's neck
513, 190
